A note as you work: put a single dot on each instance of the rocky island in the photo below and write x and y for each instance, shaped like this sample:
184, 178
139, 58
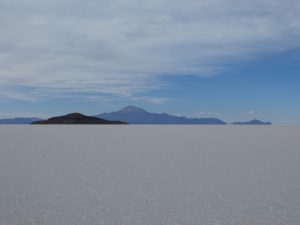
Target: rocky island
77, 118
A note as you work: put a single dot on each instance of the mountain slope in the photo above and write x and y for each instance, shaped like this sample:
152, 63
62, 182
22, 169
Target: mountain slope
135, 115
19, 120
252, 122
77, 118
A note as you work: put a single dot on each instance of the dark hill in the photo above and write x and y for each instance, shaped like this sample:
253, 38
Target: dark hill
77, 118
252, 122
135, 115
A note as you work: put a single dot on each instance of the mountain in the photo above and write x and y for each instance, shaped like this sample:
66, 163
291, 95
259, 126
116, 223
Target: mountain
252, 122
135, 115
77, 118
19, 120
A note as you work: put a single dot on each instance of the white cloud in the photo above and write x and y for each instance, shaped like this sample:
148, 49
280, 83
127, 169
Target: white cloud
123, 47
251, 112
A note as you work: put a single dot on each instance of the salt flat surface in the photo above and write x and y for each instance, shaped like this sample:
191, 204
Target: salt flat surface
149, 175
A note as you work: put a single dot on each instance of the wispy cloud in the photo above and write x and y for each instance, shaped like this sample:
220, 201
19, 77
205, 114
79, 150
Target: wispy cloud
155, 100
123, 48
206, 114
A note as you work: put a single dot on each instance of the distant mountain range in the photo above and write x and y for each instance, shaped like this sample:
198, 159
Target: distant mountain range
135, 115
252, 122
77, 118
129, 114
19, 120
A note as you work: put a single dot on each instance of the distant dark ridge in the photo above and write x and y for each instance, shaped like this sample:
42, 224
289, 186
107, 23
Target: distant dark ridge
19, 120
252, 122
77, 118
135, 115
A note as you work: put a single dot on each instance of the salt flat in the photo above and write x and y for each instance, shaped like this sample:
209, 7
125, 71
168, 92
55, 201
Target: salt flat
149, 175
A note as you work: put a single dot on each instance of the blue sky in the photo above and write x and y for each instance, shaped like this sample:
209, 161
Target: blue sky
220, 58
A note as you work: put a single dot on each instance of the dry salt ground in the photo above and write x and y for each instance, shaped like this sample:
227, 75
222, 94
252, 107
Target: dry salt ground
149, 175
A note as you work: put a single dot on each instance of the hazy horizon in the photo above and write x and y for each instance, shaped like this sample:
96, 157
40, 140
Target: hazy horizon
133, 109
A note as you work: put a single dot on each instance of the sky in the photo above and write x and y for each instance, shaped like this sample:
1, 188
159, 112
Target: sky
231, 59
